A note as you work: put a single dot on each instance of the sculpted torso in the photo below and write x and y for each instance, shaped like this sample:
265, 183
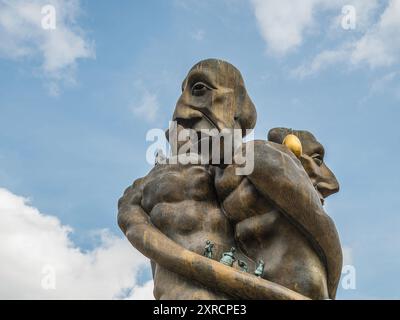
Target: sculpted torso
182, 204
193, 203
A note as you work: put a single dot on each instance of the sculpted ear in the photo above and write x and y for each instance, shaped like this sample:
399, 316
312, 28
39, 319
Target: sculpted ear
246, 114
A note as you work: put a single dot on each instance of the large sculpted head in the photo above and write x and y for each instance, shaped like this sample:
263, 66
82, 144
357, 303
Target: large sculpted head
214, 97
312, 160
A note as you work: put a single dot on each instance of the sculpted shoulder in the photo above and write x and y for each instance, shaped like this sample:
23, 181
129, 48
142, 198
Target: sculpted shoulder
268, 154
174, 183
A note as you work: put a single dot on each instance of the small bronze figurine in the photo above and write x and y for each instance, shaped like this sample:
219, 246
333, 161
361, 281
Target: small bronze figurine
228, 258
208, 249
243, 266
260, 268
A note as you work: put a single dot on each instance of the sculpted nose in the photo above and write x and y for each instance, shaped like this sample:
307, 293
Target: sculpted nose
327, 183
329, 187
184, 111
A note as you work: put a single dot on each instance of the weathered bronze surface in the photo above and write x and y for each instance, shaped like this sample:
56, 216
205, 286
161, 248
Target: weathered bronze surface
274, 214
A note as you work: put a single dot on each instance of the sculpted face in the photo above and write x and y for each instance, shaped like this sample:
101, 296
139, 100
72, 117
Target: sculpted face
312, 160
214, 97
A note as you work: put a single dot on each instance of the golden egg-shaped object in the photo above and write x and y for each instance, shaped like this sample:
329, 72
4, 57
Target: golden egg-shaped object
293, 143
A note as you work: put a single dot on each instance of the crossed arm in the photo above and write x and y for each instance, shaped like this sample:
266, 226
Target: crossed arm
144, 236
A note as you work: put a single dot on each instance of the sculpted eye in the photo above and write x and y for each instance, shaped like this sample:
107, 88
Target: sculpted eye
199, 89
318, 159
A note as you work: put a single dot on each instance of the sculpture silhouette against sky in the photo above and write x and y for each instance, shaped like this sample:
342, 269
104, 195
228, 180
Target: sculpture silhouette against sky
273, 214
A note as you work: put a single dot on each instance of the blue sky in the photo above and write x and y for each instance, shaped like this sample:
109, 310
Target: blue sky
72, 131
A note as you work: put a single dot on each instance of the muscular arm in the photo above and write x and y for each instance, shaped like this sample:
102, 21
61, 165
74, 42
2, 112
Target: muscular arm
280, 177
136, 225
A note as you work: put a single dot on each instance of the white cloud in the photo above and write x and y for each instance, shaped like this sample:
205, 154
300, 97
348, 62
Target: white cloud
364, 9
34, 245
381, 84
282, 23
58, 50
144, 292
285, 23
147, 108
380, 46
321, 61
388, 84
377, 46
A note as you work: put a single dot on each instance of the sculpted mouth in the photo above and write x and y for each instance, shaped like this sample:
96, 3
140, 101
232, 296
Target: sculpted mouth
193, 123
187, 123
198, 121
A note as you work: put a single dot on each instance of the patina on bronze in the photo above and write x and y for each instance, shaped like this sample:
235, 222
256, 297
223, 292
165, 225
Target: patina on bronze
273, 214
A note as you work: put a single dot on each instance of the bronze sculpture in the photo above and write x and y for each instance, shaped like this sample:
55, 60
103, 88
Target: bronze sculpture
273, 214
260, 269
243, 266
208, 250
228, 258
